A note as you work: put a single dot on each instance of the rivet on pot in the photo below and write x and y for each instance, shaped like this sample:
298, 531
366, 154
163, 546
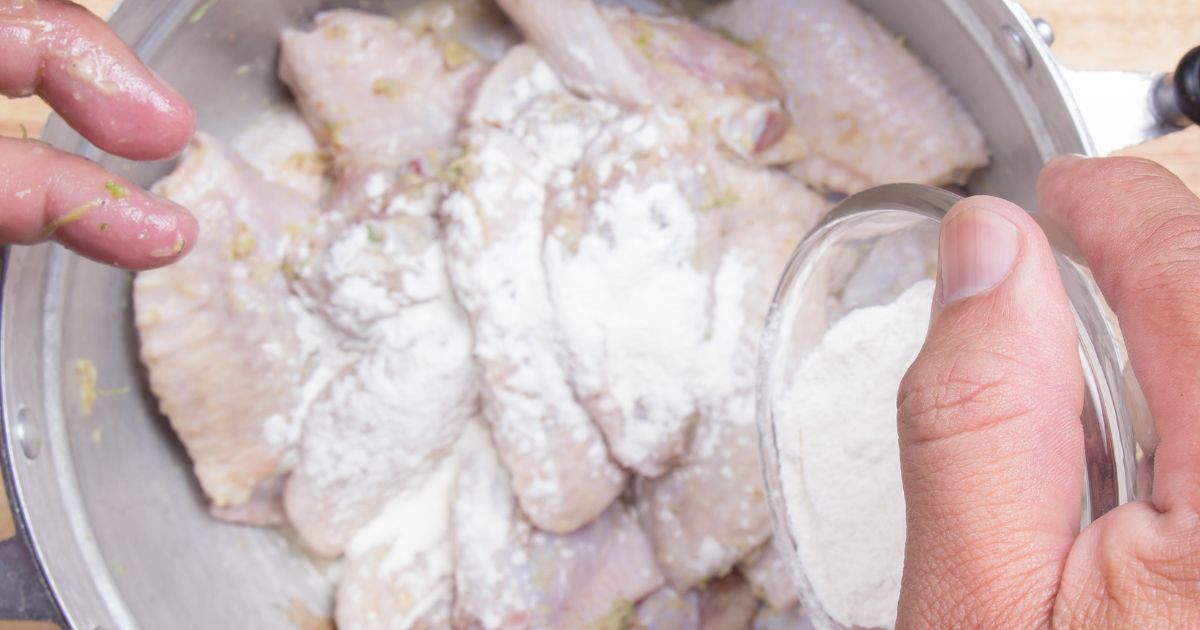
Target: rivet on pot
1044, 30
1015, 48
31, 443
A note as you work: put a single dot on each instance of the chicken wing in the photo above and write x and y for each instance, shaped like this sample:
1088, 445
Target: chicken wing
219, 332
512, 576
285, 151
710, 511
526, 132
640, 61
407, 383
398, 573
376, 91
868, 110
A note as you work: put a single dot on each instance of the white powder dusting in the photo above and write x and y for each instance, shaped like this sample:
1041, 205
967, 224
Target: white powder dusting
840, 461
632, 305
494, 234
398, 383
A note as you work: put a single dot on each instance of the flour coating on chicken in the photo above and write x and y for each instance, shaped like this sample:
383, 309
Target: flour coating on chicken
526, 133
479, 318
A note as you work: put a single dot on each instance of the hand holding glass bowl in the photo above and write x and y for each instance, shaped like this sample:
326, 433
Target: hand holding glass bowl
1018, 513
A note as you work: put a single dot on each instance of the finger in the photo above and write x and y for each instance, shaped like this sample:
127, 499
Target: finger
47, 194
991, 448
1139, 228
70, 58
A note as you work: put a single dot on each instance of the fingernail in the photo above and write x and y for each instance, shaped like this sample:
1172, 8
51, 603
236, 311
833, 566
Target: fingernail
979, 248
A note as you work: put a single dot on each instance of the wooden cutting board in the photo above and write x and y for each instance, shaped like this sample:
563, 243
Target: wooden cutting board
1090, 34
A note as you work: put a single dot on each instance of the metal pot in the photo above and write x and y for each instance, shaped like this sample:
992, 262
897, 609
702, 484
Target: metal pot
113, 530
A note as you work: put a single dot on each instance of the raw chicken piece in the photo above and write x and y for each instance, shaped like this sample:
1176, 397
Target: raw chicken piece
285, 151
407, 384
666, 609
399, 571
727, 604
790, 619
479, 22
512, 576
227, 305
625, 264
710, 511
402, 381
376, 91
651, 313
640, 61
868, 109
526, 132
770, 578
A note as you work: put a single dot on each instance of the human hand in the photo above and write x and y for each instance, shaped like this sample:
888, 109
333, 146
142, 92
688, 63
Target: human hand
70, 58
990, 439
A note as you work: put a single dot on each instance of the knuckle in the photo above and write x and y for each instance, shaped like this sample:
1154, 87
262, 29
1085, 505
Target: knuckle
964, 392
1147, 572
1167, 264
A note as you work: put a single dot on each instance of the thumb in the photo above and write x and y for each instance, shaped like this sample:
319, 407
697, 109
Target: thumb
990, 442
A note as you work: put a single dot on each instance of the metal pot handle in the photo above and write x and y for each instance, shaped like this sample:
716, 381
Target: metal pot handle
1123, 109
23, 592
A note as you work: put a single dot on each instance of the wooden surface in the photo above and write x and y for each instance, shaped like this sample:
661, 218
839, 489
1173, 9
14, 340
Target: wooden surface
1091, 34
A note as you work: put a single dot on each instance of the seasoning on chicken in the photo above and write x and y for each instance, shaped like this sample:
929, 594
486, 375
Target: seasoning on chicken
624, 255
639, 61
377, 91
400, 380
869, 111
511, 576
284, 150
526, 132
197, 319
404, 384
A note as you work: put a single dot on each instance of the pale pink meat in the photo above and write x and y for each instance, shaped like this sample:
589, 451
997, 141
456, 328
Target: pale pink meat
868, 110
769, 576
526, 130
666, 609
710, 511
377, 91
512, 576
639, 61
227, 296
398, 573
387, 100
406, 382
284, 150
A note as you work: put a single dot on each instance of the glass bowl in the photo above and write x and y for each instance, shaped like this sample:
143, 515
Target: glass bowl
871, 248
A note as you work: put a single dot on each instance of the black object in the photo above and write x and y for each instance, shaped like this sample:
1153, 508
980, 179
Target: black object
1187, 85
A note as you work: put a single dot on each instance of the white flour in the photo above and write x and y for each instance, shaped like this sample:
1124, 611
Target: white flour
840, 461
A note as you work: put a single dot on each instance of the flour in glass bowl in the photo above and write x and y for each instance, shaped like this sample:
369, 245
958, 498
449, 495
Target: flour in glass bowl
840, 460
